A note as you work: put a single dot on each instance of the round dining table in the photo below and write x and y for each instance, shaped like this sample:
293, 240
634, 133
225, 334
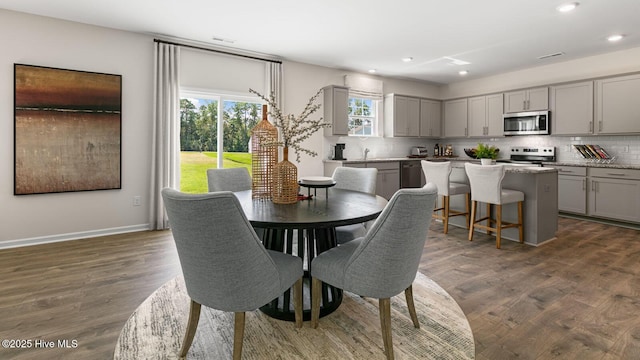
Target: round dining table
306, 229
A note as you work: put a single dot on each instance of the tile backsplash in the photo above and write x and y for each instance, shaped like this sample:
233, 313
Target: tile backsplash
625, 149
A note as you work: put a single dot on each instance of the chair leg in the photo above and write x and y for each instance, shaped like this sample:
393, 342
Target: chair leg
408, 294
384, 306
473, 219
297, 302
445, 199
316, 284
488, 218
238, 335
498, 225
520, 222
192, 325
467, 200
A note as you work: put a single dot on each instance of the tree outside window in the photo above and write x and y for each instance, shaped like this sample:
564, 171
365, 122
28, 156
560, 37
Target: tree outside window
362, 116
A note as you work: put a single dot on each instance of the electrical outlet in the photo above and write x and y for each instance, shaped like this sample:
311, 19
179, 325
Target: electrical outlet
137, 201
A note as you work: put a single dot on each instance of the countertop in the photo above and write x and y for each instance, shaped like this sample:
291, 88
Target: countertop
466, 159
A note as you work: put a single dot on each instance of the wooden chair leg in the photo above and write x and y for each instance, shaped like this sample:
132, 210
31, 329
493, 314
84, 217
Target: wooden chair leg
498, 225
297, 302
384, 305
488, 218
467, 200
238, 335
316, 284
192, 325
520, 221
473, 219
445, 199
408, 294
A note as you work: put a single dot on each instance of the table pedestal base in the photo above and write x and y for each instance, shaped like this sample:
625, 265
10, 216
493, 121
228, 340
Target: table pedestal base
307, 244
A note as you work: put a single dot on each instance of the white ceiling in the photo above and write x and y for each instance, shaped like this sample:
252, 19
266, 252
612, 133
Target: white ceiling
495, 36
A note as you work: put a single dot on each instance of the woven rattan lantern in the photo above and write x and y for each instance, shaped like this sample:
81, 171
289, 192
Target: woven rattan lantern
264, 155
285, 181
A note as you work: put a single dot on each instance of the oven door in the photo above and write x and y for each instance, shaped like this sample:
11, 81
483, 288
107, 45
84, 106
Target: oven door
526, 123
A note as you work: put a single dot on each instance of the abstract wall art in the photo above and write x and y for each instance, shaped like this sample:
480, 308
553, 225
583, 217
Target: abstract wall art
67, 130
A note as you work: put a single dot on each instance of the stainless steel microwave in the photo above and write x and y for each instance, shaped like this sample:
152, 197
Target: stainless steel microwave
526, 123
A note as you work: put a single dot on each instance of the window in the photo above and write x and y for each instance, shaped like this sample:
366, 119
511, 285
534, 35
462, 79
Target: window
363, 116
210, 125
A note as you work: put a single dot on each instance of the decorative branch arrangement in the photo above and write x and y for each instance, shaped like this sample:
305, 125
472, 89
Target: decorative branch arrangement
294, 130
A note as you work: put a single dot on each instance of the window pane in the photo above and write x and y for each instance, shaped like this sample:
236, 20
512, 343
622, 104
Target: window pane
362, 116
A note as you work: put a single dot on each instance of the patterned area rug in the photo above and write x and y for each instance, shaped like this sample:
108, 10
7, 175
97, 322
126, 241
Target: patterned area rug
155, 330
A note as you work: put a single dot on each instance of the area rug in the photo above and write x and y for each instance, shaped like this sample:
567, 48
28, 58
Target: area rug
156, 329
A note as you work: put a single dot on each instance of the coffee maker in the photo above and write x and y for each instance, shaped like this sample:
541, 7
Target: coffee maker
337, 152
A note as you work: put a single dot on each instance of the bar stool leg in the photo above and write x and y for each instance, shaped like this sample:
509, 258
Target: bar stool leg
445, 199
473, 219
498, 225
488, 218
520, 222
466, 207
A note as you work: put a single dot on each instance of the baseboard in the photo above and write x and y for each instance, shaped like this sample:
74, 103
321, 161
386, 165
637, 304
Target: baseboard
71, 236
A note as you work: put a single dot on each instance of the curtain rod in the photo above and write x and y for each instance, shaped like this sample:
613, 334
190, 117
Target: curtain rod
218, 51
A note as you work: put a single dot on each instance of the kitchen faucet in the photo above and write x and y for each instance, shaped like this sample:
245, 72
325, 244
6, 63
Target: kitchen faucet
366, 151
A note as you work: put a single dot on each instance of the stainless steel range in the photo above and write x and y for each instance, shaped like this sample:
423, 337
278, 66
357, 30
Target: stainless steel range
531, 155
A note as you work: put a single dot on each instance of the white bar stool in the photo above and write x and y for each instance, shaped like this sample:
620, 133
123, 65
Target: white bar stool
438, 173
486, 186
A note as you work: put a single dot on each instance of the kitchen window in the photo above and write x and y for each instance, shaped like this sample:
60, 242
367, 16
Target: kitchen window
363, 116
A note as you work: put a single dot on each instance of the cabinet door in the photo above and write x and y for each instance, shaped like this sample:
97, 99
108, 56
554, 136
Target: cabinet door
615, 199
413, 117
477, 117
538, 99
455, 118
515, 101
572, 109
617, 105
494, 125
400, 116
572, 194
430, 118
387, 183
336, 110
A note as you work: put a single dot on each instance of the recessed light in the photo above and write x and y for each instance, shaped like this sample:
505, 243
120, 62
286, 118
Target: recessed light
463, 72
567, 7
372, 71
407, 59
614, 38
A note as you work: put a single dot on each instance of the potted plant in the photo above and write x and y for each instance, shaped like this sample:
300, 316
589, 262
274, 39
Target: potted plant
486, 153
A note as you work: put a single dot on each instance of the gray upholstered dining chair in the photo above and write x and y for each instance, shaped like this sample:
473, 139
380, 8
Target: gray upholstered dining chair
356, 179
384, 262
225, 267
228, 179
486, 187
439, 173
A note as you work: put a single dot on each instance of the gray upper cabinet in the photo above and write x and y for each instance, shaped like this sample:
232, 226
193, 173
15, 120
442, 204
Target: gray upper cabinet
336, 110
617, 109
485, 116
572, 109
455, 118
526, 100
430, 118
402, 116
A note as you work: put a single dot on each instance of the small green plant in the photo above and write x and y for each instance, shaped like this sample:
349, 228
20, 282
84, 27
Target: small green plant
486, 151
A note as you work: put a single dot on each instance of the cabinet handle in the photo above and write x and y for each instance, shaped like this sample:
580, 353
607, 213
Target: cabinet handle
465, 131
584, 184
617, 174
590, 126
593, 185
600, 125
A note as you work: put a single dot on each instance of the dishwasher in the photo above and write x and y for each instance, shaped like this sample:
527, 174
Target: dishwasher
411, 175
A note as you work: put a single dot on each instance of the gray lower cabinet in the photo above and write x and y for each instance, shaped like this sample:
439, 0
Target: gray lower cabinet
388, 180
572, 189
614, 194
600, 192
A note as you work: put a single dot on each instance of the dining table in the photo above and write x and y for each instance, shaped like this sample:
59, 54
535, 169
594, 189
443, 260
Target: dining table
306, 229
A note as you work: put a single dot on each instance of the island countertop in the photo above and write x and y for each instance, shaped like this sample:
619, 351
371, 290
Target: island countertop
456, 162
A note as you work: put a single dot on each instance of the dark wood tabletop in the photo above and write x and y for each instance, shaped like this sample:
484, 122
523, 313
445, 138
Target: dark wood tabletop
340, 207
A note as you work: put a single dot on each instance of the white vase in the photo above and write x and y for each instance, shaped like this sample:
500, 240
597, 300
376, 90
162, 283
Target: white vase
486, 161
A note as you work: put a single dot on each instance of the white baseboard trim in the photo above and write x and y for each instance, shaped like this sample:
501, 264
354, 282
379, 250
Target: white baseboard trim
72, 236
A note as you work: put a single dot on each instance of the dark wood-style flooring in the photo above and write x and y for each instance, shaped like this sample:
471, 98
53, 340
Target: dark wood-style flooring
575, 298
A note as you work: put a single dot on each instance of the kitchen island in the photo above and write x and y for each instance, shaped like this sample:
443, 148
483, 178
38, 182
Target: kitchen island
539, 184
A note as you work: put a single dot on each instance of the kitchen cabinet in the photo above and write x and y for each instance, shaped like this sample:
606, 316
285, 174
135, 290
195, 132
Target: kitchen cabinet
455, 118
526, 100
572, 109
388, 180
617, 109
402, 115
614, 193
430, 118
485, 116
336, 110
572, 189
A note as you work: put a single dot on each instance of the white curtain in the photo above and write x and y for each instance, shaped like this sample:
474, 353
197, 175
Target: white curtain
165, 161
274, 81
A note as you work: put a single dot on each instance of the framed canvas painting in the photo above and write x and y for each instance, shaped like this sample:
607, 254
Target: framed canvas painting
67, 130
